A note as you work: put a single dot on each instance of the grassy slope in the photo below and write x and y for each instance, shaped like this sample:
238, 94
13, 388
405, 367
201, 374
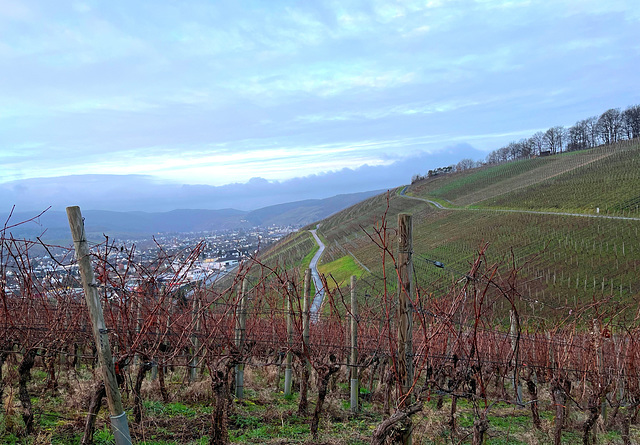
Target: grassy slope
565, 259
612, 184
481, 184
339, 271
291, 251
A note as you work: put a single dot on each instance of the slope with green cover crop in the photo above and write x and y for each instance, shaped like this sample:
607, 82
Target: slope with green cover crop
489, 182
293, 251
611, 185
562, 259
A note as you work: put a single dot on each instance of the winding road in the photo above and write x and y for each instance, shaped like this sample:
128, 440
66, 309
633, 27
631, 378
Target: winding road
313, 265
433, 203
534, 212
315, 276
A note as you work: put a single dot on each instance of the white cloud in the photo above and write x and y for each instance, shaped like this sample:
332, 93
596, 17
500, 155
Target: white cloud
180, 88
383, 112
324, 81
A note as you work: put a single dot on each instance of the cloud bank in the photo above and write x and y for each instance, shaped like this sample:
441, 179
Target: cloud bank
220, 92
147, 193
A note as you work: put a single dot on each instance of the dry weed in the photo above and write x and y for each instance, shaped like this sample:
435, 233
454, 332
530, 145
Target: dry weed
10, 423
199, 391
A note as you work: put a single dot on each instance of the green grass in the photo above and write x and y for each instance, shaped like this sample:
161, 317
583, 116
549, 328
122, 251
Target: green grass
510, 440
307, 259
291, 251
203, 441
288, 429
553, 251
172, 409
103, 436
339, 272
269, 417
460, 186
511, 422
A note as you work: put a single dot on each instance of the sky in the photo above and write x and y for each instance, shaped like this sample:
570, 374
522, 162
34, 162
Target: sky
284, 92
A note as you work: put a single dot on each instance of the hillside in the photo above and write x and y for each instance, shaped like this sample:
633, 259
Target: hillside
578, 181
55, 226
300, 213
569, 222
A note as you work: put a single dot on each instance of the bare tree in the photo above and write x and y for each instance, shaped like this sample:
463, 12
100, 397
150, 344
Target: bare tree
610, 126
554, 139
503, 154
631, 121
465, 164
492, 158
514, 151
578, 136
591, 126
537, 142
526, 148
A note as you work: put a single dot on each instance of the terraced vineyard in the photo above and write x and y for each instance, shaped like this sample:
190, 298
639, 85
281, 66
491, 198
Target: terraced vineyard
563, 259
607, 177
611, 185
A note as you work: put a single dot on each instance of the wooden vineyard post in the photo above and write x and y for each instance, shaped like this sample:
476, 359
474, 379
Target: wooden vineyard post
306, 367
241, 325
597, 332
306, 308
195, 314
119, 424
287, 370
405, 316
515, 330
354, 347
136, 357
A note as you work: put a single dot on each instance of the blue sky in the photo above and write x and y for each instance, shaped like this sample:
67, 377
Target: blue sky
219, 92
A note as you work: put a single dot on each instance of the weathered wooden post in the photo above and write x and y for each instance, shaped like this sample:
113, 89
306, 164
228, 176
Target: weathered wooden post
195, 320
306, 309
287, 371
241, 325
136, 357
405, 314
164, 346
119, 424
597, 345
154, 359
354, 347
515, 332
306, 368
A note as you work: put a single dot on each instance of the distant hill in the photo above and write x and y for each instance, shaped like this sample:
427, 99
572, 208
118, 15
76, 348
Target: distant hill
54, 224
301, 213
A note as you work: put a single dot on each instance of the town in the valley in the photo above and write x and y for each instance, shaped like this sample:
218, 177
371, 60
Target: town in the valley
175, 259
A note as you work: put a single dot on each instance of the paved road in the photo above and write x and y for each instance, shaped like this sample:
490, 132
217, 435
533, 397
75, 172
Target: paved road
535, 212
317, 282
433, 203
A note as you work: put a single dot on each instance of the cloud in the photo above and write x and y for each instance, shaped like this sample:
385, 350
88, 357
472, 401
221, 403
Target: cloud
149, 193
216, 92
